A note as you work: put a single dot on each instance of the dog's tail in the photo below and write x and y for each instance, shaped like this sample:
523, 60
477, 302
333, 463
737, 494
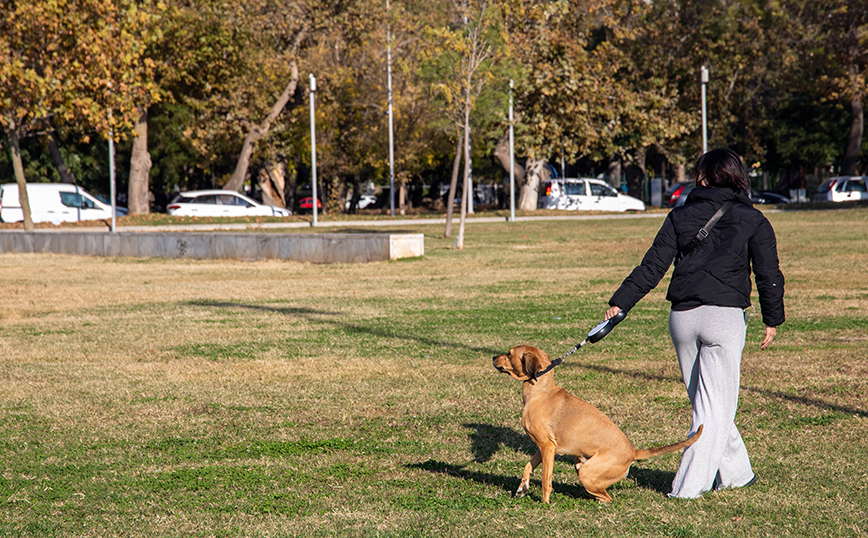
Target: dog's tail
642, 454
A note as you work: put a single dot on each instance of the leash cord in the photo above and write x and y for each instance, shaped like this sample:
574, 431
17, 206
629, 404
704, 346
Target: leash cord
560, 359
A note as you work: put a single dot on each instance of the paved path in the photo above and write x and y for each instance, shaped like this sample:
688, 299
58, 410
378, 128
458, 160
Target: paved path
367, 223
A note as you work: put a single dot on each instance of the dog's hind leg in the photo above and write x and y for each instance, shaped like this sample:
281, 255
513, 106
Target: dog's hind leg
598, 473
528, 472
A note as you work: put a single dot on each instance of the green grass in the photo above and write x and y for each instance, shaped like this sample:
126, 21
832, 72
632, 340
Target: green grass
164, 398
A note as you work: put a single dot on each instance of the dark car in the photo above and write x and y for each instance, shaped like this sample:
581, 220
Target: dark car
767, 197
677, 195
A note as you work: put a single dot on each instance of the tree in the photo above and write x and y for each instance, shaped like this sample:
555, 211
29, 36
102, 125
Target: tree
72, 62
575, 96
465, 59
837, 49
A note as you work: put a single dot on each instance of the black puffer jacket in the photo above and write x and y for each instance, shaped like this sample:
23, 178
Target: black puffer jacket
717, 272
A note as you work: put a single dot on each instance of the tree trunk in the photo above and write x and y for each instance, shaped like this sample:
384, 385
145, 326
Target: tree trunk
66, 176
257, 132
635, 175
138, 201
290, 187
854, 141
537, 172
357, 194
501, 153
614, 171
453, 186
402, 198
18, 169
465, 190
680, 173
272, 182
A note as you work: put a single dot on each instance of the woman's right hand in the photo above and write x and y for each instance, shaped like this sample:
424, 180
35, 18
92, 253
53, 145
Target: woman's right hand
610, 313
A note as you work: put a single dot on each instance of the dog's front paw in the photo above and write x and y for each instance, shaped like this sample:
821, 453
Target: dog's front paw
522, 490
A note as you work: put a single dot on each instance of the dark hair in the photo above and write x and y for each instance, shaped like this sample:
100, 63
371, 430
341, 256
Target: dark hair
722, 167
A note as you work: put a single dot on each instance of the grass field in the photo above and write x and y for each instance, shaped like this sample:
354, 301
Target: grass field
164, 398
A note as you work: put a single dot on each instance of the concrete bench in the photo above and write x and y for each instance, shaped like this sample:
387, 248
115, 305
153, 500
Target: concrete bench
301, 247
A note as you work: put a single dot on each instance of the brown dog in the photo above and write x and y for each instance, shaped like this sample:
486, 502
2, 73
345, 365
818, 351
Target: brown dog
560, 423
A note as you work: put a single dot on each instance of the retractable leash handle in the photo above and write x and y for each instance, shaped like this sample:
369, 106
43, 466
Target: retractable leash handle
596, 334
603, 328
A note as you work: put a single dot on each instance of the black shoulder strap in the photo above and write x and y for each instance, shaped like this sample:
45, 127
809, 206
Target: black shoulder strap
703, 232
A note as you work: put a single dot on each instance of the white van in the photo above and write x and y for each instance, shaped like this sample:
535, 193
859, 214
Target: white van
585, 194
52, 202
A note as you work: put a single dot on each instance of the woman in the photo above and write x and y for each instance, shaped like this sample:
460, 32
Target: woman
709, 290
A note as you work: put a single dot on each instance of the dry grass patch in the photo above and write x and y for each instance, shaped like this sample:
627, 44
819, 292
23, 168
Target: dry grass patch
223, 398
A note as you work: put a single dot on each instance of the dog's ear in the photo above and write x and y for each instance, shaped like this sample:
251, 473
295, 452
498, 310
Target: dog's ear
534, 360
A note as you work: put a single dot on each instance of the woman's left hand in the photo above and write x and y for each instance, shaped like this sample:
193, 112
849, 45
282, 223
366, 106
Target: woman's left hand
771, 332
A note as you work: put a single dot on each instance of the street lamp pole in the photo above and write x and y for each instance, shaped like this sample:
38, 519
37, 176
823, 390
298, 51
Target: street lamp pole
704, 79
112, 178
313, 146
511, 159
391, 128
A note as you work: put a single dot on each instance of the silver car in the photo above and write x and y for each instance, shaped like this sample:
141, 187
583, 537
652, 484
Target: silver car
585, 194
843, 189
219, 203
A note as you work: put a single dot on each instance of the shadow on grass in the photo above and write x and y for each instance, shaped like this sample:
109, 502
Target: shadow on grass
659, 481
349, 327
801, 400
487, 440
507, 484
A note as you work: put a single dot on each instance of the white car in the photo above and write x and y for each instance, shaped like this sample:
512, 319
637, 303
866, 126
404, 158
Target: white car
52, 202
585, 194
218, 203
843, 189
365, 200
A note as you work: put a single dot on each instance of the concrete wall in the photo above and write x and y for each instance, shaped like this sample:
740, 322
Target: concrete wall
311, 248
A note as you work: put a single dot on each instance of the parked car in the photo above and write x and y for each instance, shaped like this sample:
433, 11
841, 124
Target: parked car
365, 200
677, 194
585, 194
767, 197
843, 189
307, 203
219, 203
53, 202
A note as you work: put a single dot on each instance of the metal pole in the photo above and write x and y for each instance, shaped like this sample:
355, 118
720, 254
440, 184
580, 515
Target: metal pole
112, 178
113, 187
704, 78
469, 176
511, 160
391, 128
469, 163
313, 145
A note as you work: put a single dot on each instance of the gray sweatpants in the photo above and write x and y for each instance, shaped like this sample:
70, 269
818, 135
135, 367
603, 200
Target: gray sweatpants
709, 341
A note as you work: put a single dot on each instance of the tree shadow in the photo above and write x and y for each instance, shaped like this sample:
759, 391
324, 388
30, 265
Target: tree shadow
778, 395
353, 328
